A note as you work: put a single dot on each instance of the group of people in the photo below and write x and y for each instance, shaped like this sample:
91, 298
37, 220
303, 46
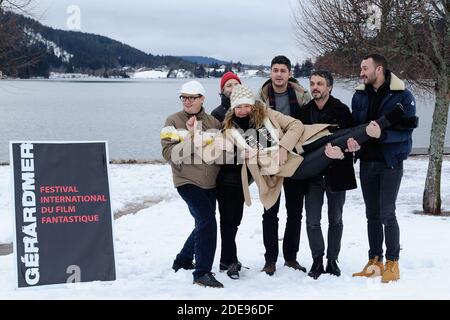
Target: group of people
302, 142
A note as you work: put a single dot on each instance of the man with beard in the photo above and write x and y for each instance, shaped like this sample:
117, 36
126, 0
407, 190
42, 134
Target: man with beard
340, 176
381, 161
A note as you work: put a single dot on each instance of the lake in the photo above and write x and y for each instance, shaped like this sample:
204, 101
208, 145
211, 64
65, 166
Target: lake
127, 113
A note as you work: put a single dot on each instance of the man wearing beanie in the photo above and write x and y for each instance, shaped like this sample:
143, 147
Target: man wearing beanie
195, 181
283, 93
228, 81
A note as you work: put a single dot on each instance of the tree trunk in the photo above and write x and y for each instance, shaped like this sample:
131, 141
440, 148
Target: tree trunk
432, 192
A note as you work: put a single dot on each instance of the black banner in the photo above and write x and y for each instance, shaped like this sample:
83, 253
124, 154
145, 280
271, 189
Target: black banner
62, 213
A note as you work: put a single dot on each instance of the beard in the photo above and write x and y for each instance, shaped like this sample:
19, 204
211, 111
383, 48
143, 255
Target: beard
318, 95
369, 80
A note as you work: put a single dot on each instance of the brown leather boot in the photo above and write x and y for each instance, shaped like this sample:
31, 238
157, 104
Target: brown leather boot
269, 268
373, 268
391, 272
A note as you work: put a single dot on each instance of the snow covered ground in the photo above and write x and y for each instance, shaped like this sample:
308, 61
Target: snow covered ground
147, 242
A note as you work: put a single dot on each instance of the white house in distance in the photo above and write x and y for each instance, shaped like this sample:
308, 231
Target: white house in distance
147, 73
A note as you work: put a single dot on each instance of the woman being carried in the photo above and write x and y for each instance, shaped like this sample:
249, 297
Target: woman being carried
274, 146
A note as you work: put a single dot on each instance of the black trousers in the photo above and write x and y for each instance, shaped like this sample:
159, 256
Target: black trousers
315, 161
313, 207
294, 193
231, 206
380, 185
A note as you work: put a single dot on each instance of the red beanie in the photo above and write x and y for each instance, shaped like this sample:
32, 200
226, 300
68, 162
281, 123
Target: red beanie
227, 76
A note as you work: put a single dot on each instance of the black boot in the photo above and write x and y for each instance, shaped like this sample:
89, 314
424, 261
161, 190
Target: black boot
407, 123
233, 270
396, 114
392, 117
332, 268
269, 268
179, 263
294, 264
316, 268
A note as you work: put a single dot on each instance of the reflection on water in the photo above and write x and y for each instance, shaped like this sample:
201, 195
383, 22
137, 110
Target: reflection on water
127, 113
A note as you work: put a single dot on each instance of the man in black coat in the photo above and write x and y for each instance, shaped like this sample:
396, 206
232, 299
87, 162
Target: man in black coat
340, 176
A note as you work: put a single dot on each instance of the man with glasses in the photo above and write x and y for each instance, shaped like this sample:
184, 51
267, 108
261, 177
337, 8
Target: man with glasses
195, 181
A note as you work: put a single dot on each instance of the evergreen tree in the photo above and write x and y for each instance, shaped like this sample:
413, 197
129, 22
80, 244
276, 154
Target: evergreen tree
199, 71
297, 71
306, 68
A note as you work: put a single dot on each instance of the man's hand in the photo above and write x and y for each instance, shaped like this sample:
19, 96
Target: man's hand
352, 145
373, 130
191, 124
333, 152
282, 156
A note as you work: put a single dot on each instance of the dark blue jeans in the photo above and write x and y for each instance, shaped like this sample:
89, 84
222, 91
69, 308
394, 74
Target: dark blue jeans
294, 191
380, 185
201, 243
313, 208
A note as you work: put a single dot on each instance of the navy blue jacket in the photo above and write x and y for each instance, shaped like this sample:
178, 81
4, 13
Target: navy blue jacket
396, 144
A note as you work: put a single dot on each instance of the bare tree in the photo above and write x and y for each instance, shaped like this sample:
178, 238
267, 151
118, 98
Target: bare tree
16, 5
413, 34
14, 54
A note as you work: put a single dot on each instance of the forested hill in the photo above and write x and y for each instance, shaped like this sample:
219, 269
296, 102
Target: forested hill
70, 51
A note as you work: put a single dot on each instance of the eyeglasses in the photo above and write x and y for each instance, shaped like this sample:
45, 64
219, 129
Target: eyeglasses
190, 99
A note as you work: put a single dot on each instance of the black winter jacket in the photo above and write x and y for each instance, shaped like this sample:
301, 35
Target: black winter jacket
340, 175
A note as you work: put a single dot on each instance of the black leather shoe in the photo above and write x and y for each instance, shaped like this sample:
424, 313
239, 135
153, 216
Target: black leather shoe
208, 280
316, 268
332, 268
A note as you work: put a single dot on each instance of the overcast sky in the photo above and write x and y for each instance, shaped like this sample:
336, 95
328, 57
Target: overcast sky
250, 31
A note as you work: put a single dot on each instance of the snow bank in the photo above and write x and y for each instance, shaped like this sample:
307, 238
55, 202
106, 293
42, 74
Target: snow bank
147, 242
